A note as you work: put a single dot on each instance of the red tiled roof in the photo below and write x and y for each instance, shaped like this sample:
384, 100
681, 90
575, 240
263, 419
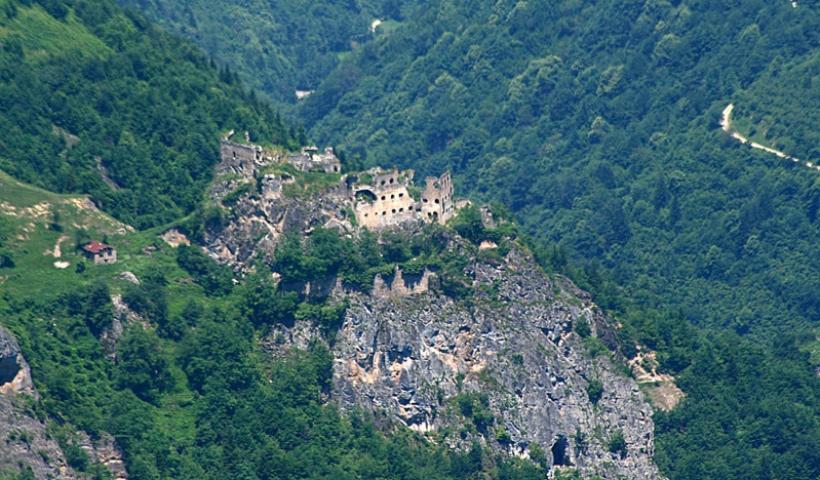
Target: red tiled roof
95, 247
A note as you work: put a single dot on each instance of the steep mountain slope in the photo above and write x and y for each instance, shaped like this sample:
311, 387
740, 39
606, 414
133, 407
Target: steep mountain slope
96, 101
508, 366
23, 432
724, 376
147, 352
198, 375
612, 153
596, 123
459, 340
773, 109
277, 47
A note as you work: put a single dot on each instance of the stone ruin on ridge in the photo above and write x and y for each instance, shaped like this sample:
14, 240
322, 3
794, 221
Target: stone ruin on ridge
383, 198
378, 197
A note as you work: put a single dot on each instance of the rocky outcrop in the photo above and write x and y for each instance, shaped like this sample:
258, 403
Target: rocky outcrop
502, 364
261, 200
15, 375
24, 442
401, 284
258, 218
122, 317
257, 224
104, 451
431, 363
659, 388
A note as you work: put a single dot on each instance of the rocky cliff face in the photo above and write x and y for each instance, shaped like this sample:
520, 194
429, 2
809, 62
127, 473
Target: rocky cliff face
24, 443
261, 207
420, 357
503, 366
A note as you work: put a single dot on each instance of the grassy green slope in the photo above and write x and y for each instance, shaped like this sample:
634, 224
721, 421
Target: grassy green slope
97, 101
78, 385
44, 37
34, 220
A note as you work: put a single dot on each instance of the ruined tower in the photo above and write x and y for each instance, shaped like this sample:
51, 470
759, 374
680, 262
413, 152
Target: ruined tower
437, 204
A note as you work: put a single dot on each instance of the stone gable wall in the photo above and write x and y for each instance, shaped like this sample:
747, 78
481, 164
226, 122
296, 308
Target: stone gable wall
437, 204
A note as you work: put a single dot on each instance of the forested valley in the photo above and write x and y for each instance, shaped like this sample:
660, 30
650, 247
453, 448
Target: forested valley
596, 124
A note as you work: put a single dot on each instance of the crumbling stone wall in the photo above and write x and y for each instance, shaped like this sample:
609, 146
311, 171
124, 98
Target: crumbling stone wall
238, 158
377, 198
437, 203
310, 160
386, 201
398, 286
392, 206
390, 178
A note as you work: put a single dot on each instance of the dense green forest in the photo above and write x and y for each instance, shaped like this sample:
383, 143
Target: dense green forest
596, 123
773, 109
277, 47
208, 405
95, 100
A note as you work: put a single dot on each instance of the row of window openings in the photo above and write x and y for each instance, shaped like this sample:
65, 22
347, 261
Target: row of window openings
401, 195
383, 182
401, 210
384, 197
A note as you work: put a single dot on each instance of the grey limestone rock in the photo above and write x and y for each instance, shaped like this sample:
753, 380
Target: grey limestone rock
415, 355
503, 366
24, 442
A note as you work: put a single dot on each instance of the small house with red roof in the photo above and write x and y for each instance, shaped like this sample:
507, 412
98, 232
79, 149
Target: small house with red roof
100, 253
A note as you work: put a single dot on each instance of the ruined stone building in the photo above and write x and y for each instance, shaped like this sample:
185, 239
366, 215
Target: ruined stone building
380, 198
383, 199
239, 158
242, 158
437, 204
311, 160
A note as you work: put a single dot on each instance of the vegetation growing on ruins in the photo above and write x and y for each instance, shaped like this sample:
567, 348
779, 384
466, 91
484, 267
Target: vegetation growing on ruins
609, 149
597, 124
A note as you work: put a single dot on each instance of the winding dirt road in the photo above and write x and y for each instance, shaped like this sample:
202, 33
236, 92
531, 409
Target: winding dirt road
726, 125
